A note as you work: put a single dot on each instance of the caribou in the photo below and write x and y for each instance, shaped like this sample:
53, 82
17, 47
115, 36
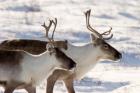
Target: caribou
86, 57
22, 69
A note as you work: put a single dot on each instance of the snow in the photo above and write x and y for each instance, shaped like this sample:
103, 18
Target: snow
23, 19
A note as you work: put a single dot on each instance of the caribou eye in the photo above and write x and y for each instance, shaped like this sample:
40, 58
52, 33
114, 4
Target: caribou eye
106, 46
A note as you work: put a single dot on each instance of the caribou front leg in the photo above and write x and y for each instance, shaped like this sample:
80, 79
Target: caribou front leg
69, 84
11, 86
51, 81
57, 74
30, 89
9, 89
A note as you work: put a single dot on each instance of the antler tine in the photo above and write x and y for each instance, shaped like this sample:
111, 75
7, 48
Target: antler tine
55, 24
87, 14
107, 38
47, 28
107, 33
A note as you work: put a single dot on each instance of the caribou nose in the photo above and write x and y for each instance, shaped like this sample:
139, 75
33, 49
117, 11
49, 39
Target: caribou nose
118, 56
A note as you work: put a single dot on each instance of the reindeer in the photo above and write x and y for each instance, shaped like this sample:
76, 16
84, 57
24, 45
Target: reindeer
94, 51
19, 68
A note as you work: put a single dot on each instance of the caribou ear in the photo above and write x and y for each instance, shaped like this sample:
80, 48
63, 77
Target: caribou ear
94, 38
66, 44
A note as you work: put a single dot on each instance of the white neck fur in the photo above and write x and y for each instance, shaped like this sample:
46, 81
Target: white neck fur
85, 56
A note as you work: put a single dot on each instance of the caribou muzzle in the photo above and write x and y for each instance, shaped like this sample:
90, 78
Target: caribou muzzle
118, 56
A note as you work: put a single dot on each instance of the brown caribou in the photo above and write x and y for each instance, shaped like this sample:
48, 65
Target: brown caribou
19, 68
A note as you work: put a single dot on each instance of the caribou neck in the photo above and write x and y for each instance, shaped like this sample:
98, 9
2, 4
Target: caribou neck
85, 56
82, 54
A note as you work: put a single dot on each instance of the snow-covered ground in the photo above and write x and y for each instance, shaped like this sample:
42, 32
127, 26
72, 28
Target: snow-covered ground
22, 19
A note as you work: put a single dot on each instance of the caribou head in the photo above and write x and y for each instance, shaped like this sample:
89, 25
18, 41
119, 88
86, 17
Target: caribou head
107, 51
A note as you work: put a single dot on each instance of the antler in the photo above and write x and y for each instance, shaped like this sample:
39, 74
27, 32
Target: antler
87, 14
55, 24
107, 32
47, 28
50, 45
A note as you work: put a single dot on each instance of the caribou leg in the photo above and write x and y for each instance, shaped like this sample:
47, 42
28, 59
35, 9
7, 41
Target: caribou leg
69, 84
30, 89
10, 87
56, 75
51, 81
